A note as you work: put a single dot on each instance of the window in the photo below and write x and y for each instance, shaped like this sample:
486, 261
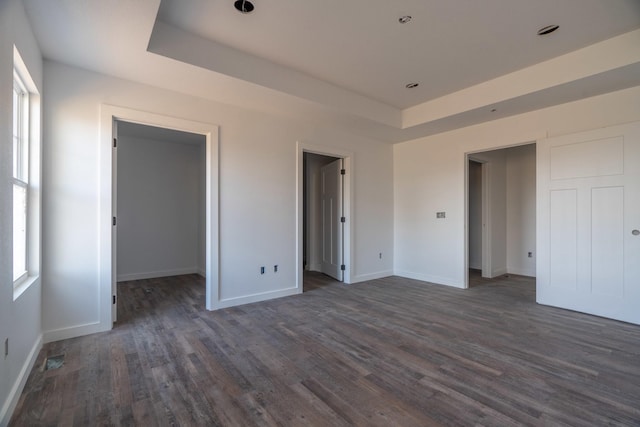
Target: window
20, 177
25, 178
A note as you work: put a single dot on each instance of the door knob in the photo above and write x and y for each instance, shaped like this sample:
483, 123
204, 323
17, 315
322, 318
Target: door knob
635, 232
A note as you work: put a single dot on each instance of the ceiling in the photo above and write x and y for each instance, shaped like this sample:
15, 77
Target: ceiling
359, 45
348, 61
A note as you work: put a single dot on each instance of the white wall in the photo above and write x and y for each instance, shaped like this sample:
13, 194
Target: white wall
429, 177
20, 320
257, 193
521, 210
159, 209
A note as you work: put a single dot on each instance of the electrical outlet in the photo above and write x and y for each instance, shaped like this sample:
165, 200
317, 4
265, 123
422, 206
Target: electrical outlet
6, 347
380, 255
530, 254
261, 270
441, 214
275, 268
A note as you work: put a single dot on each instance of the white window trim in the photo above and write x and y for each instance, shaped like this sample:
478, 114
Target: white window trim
21, 162
23, 169
25, 273
31, 174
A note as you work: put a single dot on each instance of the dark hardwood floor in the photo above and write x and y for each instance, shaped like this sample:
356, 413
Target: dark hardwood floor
315, 280
476, 279
390, 352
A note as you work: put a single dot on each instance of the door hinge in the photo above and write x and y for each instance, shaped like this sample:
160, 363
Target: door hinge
115, 142
114, 221
343, 267
343, 219
114, 299
343, 171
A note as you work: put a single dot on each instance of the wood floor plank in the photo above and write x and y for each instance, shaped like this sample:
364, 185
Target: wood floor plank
392, 351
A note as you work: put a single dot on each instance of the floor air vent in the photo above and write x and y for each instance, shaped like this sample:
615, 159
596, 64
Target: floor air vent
54, 362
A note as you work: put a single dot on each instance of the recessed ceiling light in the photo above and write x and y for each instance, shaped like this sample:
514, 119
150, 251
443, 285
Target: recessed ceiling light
547, 30
412, 85
404, 19
244, 6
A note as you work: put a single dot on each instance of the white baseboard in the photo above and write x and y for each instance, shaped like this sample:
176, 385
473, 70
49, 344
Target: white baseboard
498, 272
154, 274
202, 272
314, 267
429, 278
74, 331
372, 276
263, 296
14, 395
522, 271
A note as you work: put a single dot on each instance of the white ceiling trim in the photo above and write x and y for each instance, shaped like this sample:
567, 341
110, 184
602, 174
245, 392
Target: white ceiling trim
606, 56
174, 43
465, 107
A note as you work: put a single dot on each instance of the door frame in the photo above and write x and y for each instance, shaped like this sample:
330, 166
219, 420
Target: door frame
347, 195
107, 192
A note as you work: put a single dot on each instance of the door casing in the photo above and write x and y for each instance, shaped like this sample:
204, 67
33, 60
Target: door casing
107, 187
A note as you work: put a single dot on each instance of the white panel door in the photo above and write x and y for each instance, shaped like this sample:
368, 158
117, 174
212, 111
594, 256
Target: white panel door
588, 222
332, 226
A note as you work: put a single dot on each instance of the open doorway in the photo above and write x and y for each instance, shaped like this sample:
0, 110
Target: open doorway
501, 213
322, 231
109, 116
316, 249
159, 189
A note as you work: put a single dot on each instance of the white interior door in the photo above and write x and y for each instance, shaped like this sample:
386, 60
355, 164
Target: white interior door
588, 222
332, 214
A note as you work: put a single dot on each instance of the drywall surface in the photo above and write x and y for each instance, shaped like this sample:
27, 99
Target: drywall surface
158, 208
429, 177
257, 174
20, 320
521, 210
